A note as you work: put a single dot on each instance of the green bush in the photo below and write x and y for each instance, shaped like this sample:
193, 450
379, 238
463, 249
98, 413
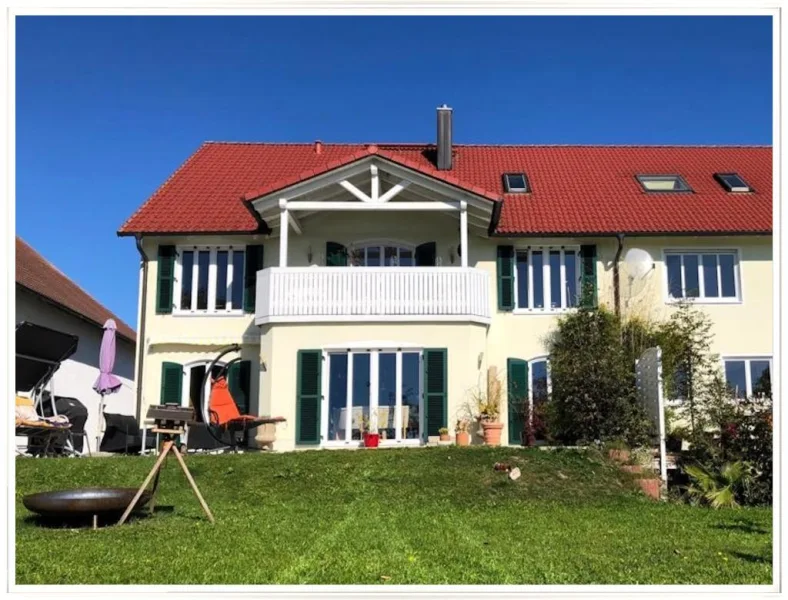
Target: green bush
594, 395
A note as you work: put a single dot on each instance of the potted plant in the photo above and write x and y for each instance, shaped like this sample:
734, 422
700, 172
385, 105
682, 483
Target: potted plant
650, 483
371, 440
444, 434
461, 434
488, 408
618, 451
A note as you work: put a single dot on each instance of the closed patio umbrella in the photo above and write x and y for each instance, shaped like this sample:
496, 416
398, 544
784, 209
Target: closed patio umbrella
107, 383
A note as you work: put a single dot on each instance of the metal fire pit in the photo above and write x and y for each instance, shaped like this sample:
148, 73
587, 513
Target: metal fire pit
83, 502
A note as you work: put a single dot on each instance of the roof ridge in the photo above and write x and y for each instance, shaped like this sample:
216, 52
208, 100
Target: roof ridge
75, 284
475, 145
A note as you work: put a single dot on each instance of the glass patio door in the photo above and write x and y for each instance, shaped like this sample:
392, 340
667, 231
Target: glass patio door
378, 390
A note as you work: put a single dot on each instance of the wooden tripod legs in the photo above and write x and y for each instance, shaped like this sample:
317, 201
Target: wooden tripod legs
168, 446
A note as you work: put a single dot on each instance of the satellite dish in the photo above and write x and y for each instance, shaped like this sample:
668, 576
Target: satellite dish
638, 262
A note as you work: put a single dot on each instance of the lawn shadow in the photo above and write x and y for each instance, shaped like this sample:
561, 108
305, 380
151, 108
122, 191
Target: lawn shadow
751, 558
745, 526
86, 521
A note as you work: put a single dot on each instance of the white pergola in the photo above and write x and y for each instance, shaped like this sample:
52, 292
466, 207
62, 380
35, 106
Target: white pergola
392, 188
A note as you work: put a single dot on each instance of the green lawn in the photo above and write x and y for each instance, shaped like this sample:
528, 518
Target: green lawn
432, 516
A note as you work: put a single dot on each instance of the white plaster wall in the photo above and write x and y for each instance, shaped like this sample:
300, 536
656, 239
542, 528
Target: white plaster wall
76, 376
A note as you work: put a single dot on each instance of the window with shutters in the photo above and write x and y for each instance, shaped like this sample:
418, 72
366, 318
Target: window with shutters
209, 280
381, 254
547, 278
710, 276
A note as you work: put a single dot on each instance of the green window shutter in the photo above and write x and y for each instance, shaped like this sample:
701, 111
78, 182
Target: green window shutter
239, 381
435, 389
165, 285
588, 284
171, 383
308, 396
505, 271
336, 255
425, 254
253, 262
517, 397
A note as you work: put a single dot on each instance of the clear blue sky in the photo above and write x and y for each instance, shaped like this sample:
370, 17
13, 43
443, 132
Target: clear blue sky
108, 107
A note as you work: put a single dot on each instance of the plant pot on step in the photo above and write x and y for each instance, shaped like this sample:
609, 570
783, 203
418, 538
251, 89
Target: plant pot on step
492, 432
371, 440
443, 432
463, 438
651, 487
619, 455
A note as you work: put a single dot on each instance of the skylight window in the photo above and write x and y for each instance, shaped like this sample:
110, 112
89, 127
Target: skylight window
663, 183
515, 183
732, 182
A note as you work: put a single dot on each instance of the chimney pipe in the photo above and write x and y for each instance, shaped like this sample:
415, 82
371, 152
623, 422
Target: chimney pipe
318, 146
444, 138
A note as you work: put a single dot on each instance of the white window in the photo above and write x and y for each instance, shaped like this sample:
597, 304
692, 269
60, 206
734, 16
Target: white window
750, 376
381, 255
547, 278
209, 280
710, 276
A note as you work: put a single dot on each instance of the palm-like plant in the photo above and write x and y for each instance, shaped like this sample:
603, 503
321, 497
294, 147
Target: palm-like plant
718, 490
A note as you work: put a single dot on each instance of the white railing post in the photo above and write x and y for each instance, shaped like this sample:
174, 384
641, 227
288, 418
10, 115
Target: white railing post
464, 233
283, 229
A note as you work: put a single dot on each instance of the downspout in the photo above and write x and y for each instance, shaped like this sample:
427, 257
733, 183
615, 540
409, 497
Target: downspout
616, 279
141, 328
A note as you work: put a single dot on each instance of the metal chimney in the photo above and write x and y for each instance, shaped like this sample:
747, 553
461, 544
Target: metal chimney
444, 138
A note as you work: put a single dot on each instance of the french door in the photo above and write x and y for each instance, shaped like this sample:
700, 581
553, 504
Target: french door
376, 390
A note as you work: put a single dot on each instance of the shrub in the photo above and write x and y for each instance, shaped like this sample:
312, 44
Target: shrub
718, 488
594, 395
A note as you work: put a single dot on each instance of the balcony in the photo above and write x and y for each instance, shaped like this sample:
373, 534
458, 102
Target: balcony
326, 294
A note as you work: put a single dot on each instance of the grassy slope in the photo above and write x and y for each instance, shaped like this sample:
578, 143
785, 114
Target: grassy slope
434, 515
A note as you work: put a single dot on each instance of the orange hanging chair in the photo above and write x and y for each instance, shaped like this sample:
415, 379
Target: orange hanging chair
222, 412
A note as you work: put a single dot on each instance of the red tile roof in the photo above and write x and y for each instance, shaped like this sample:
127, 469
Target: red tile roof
575, 189
41, 277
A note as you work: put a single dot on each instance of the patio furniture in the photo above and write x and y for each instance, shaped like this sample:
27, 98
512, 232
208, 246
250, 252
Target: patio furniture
123, 435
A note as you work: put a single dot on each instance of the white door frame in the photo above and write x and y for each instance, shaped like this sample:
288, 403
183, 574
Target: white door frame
374, 362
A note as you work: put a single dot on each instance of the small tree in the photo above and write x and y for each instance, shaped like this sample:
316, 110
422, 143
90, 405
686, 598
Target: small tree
594, 395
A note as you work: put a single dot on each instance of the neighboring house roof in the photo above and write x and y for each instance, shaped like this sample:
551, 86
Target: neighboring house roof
575, 189
41, 277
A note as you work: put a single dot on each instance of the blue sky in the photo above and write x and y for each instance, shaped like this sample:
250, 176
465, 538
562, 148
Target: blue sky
108, 107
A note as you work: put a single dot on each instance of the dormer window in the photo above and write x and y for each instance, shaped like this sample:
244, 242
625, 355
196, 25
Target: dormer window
515, 183
732, 182
663, 183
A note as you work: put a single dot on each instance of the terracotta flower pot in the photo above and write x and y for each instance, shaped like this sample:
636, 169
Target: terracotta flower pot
632, 468
444, 437
619, 455
651, 487
463, 438
492, 432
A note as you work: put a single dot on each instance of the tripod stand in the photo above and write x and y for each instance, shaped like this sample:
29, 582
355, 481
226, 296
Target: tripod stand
167, 447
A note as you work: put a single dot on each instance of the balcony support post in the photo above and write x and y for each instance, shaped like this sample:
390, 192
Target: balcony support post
464, 233
284, 222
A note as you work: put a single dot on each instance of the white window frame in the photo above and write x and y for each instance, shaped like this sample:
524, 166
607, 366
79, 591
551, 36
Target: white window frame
747, 359
364, 245
211, 310
546, 359
702, 299
374, 351
546, 283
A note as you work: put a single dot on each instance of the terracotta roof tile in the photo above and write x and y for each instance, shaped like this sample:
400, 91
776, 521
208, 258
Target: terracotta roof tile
40, 276
575, 189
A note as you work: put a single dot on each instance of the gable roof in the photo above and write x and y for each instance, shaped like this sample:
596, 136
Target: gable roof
41, 277
575, 189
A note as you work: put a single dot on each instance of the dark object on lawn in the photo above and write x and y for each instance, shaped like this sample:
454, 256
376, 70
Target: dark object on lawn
502, 467
122, 434
83, 502
221, 412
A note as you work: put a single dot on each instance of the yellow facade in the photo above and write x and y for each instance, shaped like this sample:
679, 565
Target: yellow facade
741, 328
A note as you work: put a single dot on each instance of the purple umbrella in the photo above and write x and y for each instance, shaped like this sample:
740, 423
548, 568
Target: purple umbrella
106, 383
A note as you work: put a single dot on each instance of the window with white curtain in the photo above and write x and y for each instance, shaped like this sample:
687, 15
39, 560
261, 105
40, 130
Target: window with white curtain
209, 279
547, 278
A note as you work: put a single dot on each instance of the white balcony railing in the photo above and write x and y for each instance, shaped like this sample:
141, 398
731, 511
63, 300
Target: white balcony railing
372, 293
